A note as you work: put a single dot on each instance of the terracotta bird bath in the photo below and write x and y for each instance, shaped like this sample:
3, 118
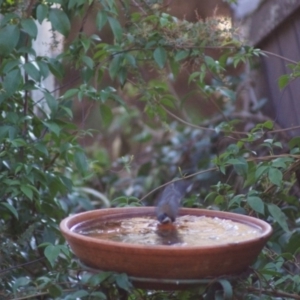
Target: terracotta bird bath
163, 265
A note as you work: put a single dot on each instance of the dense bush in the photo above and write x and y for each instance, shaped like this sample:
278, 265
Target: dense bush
238, 159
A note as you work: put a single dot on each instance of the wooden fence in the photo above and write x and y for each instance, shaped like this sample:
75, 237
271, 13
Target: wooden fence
275, 27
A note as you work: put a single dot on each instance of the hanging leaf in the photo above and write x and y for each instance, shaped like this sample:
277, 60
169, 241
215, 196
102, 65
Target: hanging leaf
160, 56
106, 115
115, 65
12, 81
31, 68
116, 28
51, 101
123, 282
42, 12
101, 19
10, 208
52, 252
278, 216
9, 37
27, 191
60, 21
283, 81
53, 127
29, 26
81, 162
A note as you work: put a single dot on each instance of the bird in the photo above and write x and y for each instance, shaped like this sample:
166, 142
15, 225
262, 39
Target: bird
169, 202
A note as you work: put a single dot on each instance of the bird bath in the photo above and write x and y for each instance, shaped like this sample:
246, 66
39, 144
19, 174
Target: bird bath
169, 261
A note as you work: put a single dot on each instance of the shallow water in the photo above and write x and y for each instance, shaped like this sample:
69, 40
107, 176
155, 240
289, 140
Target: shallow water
186, 231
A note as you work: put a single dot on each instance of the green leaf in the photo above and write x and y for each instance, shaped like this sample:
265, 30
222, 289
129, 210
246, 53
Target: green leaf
101, 19
115, 66
283, 81
21, 281
81, 162
88, 62
27, 191
12, 81
278, 216
123, 282
260, 171
96, 279
256, 204
275, 176
268, 124
53, 127
9, 37
32, 69
29, 27
98, 295
116, 28
42, 148
42, 12
44, 69
130, 59
240, 165
106, 115
51, 101
10, 208
160, 56
70, 93
52, 252
294, 142
56, 68
55, 291
60, 21
181, 55
79, 294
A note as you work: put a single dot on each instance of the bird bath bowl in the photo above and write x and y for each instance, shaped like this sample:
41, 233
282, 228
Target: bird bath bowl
163, 265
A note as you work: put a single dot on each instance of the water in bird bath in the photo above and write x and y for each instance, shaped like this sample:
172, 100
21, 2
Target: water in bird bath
186, 231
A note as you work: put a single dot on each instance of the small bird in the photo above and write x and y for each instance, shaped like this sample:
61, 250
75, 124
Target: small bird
169, 201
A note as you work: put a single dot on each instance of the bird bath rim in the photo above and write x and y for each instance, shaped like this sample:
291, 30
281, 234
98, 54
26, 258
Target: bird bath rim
68, 223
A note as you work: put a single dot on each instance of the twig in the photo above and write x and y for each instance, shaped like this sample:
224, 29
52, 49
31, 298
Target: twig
276, 293
31, 296
21, 265
279, 56
179, 179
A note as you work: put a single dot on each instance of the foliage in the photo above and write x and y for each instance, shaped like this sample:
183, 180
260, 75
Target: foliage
45, 171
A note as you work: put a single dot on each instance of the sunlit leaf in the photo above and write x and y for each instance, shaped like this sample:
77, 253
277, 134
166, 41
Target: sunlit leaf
283, 81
